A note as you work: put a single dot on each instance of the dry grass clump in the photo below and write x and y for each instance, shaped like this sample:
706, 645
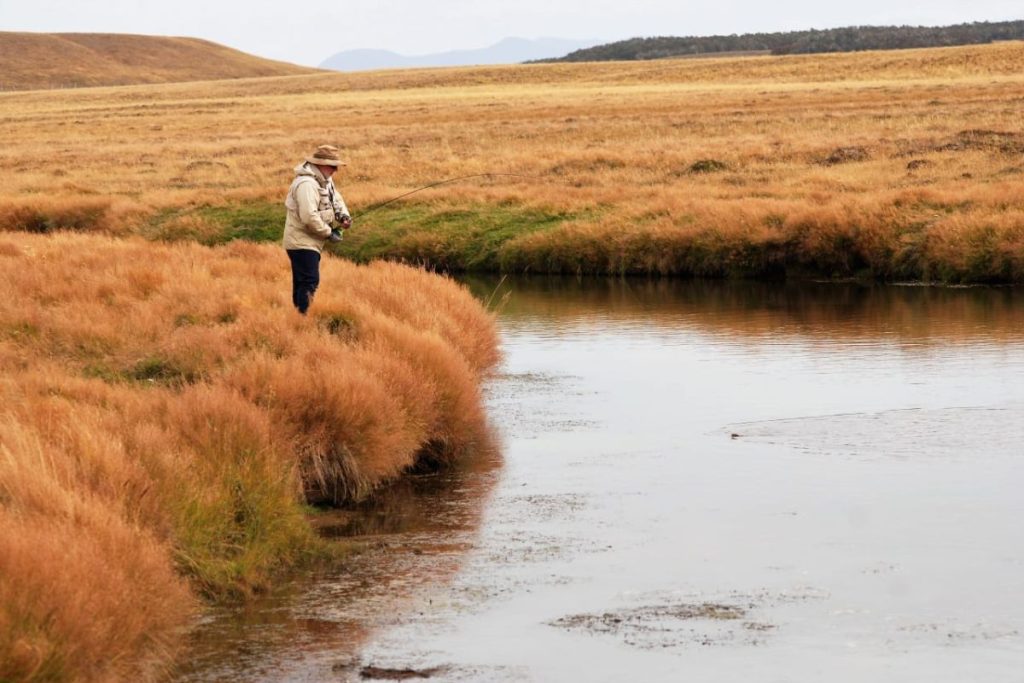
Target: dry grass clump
165, 408
87, 591
83, 214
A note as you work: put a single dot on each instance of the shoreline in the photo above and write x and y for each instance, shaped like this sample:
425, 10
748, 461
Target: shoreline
167, 416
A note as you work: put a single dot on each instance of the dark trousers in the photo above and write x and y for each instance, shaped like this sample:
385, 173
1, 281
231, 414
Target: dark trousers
305, 276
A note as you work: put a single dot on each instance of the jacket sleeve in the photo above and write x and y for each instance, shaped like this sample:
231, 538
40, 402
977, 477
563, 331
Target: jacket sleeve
339, 203
307, 199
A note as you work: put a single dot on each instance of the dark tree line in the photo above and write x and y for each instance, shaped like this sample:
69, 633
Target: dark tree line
849, 39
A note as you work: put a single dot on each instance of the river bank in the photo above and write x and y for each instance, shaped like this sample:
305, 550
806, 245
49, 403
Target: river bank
168, 419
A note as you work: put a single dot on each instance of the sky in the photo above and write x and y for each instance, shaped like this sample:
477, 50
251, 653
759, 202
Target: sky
309, 32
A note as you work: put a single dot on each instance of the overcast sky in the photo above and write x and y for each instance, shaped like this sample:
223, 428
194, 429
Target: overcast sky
309, 32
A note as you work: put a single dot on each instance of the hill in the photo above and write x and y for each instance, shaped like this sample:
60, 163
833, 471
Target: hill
508, 51
849, 39
39, 61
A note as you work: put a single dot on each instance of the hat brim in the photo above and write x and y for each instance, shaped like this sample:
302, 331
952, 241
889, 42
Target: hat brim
325, 162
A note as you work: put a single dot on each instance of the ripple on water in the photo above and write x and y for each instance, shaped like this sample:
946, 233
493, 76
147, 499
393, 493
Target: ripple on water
945, 433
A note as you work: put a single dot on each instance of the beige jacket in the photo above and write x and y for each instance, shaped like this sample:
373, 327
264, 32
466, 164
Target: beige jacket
310, 203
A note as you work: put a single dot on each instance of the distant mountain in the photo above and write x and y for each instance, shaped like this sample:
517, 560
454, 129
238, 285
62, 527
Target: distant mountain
508, 51
34, 61
847, 39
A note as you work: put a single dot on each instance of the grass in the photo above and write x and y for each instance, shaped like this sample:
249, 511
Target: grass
167, 418
899, 238
31, 61
877, 164
449, 238
438, 236
256, 221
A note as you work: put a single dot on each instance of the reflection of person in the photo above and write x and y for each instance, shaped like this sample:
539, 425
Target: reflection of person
312, 204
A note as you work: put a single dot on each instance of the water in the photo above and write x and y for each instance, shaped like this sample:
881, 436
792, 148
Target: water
697, 480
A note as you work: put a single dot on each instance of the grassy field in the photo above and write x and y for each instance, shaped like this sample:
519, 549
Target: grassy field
901, 165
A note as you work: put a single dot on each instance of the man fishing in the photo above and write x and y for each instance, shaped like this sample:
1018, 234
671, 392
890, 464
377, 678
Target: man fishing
313, 206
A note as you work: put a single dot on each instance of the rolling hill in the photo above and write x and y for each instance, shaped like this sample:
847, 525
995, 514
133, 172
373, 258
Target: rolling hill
39, 61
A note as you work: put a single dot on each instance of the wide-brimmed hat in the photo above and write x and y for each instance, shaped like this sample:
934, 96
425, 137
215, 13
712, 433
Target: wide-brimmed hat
326, 155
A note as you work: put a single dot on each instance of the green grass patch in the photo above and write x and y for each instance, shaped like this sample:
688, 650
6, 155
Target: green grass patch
211, 225
439, 236
338, 325
156, 371
488, 238
19, 331
443, 236
162, 371
245, 529
254, 221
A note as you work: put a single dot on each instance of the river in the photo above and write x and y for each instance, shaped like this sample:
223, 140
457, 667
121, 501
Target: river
704, 481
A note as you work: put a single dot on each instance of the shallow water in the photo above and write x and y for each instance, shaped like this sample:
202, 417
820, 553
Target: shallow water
698, 480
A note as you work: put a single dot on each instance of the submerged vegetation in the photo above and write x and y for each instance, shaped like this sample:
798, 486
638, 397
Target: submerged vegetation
167, 416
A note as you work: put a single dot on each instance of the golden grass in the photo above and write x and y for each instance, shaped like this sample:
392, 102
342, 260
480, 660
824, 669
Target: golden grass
164, 411
33, 61
907, 163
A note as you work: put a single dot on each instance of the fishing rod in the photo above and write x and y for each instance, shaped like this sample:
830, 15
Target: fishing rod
380, 205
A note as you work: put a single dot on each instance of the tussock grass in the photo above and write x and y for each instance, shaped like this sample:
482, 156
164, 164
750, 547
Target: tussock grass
907, 163
906, 235
166, 415
80, 214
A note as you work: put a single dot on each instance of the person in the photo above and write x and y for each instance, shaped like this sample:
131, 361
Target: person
313, 205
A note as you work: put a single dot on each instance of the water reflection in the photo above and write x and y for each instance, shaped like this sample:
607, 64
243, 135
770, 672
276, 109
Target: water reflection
755, 312
408, 540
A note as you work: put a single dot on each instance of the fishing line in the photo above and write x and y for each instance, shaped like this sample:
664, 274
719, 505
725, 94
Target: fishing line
380, 205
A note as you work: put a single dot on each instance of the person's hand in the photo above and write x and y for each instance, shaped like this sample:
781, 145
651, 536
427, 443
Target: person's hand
346, 221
